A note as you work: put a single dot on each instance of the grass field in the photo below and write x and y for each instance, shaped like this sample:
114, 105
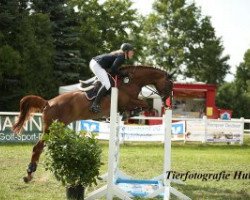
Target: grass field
142, 161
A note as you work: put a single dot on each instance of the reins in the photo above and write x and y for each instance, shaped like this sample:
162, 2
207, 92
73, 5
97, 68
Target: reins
154, 91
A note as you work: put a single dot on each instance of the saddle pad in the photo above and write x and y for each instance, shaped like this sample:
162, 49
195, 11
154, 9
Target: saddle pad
92, 92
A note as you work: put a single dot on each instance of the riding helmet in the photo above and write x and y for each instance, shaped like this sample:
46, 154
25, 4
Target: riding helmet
127, 47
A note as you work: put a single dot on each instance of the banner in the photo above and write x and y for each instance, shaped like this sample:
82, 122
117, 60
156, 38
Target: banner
210, 130
31, 130
142, 133
195, 130
133, 132
224, 131
204, 130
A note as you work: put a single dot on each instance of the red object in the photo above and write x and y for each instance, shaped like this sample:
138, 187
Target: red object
168, 102
152, 113
154, 122
199, 90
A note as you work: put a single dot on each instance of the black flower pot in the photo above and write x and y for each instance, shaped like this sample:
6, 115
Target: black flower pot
75, 192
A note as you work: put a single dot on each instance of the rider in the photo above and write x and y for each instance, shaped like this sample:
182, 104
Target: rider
112, 61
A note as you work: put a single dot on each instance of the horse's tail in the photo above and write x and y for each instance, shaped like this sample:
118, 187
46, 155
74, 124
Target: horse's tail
28, 104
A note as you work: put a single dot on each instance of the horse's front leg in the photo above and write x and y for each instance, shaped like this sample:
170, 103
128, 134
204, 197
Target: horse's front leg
138, 103
37, 150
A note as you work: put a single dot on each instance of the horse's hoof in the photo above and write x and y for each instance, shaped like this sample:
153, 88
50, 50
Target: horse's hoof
26, 179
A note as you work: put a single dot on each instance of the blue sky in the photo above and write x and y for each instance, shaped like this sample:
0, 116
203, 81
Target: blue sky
231, 20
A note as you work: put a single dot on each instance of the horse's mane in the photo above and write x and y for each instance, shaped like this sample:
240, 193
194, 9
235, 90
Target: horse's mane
142, 67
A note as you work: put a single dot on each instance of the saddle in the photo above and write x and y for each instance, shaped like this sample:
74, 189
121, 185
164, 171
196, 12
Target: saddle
92, 86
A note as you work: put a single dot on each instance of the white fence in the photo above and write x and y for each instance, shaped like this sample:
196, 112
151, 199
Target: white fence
184, 129
214, 130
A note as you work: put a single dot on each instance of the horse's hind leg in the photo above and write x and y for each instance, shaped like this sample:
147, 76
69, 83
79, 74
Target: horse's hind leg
37, 150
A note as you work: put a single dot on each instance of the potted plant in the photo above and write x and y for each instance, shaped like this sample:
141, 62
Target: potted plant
73, 158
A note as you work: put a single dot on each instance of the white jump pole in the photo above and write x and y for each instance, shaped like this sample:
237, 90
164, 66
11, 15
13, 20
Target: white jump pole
167, 152
112, 140
111, 189
167, 189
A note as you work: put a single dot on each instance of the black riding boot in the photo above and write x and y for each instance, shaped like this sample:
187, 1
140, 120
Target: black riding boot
96, 104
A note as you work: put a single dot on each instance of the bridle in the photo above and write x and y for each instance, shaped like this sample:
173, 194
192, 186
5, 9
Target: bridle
154, 91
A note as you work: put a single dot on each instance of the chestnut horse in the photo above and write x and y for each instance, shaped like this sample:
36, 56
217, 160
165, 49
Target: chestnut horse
75, 106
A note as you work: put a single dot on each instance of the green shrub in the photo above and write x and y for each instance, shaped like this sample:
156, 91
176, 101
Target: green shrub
74, 158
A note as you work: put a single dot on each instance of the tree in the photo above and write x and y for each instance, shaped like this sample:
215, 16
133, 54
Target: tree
206, 60
229, 96
10, 57
38, 56
242, 82
25, 50
105, 26
180, 39
243, 73
236, 95
65, 32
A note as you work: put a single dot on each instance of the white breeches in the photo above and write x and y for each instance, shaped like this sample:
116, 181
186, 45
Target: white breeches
100, 73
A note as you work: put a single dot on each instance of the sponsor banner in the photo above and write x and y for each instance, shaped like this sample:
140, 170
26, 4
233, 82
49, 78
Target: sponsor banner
214, 131
101, 129
195, 130
178, 130
224, 131
31, 129
142, 133
133, 133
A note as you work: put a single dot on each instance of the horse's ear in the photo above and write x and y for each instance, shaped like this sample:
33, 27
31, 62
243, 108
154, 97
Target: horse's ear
170, 76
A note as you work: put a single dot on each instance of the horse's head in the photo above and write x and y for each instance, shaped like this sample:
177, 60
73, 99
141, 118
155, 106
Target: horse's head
141, 76
164, 86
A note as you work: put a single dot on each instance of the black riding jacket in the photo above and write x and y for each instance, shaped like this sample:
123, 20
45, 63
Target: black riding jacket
111, 61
